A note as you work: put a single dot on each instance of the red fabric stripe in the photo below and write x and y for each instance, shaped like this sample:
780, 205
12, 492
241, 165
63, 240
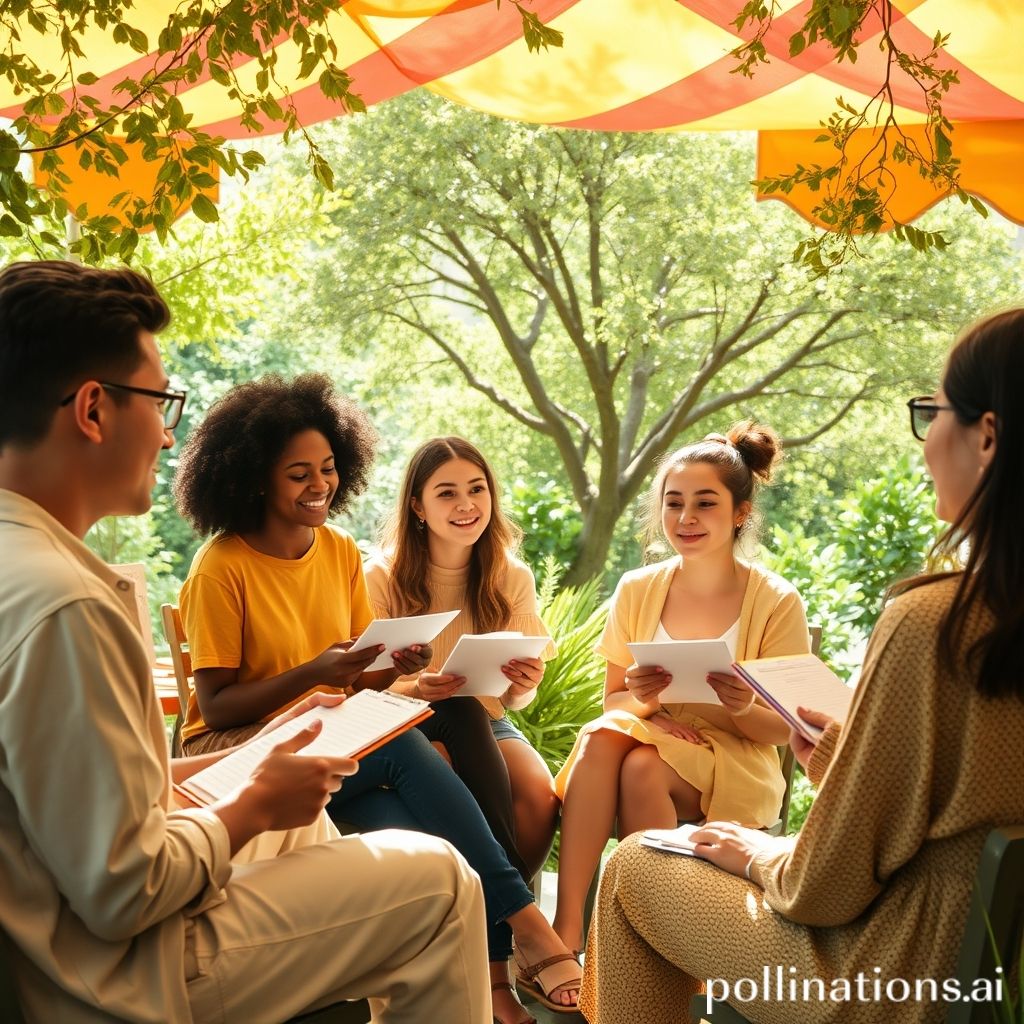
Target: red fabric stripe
459, 36
713, 90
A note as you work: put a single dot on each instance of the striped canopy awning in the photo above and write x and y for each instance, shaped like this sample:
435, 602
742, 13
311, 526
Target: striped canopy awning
642, 65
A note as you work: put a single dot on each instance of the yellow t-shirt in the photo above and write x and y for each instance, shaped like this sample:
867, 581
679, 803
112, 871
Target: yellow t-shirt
264, 615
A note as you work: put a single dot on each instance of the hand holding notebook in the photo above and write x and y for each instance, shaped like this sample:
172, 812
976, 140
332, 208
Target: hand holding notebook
350, 729
801, 680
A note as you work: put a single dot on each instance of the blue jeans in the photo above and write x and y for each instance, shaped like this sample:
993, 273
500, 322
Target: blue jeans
425, 795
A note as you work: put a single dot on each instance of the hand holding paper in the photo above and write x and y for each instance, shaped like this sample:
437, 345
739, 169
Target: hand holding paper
347, 730
291, 791
798, 681
802, 747
688, 662
399, 634
480, 657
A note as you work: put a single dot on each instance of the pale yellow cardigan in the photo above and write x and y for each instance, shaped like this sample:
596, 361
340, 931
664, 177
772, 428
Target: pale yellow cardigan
739, 780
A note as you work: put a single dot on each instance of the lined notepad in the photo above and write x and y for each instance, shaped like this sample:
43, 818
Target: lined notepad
801, 680
351, 729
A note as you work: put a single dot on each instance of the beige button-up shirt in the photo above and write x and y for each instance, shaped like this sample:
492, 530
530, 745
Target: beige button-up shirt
98, 873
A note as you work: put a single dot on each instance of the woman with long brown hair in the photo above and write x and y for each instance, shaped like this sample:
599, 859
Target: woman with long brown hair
448, 546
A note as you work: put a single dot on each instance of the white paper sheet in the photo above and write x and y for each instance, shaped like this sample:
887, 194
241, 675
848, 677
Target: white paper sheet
397, 634
688, 662
671, 840
479, 658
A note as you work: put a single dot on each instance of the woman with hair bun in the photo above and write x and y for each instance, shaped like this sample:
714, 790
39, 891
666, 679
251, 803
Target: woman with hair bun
646, 764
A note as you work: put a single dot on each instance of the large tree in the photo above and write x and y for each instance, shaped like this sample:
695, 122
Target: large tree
614, 293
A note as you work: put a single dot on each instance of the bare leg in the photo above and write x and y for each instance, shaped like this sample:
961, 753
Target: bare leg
652, 795
533, 800
588, 815
506, 1006
535, 940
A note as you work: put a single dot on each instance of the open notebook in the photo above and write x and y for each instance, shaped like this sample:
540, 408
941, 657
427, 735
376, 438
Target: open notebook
350, 729
800, 680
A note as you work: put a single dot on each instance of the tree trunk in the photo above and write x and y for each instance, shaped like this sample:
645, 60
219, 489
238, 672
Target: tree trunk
594, 541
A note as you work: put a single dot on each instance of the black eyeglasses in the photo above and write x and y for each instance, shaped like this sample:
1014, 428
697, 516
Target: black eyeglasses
171, 407
923, 411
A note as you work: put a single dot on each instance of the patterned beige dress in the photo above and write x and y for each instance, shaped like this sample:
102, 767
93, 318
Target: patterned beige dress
877, 882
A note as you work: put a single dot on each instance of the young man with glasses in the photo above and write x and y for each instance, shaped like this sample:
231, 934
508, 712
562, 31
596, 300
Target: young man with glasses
118, 905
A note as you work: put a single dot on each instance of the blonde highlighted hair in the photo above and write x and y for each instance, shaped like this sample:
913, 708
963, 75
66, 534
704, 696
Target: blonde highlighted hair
405, 543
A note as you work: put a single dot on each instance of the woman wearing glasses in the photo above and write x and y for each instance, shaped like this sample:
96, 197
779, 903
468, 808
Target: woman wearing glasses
878, 882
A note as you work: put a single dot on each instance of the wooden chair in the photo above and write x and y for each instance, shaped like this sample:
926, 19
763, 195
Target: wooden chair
787, 758
992, 935
181, 661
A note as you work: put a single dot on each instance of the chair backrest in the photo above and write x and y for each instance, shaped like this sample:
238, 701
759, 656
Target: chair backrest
995, 922
135, 573
174, 632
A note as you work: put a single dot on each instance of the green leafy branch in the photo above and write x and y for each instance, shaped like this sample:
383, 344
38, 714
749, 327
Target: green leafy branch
61, 121
856, 192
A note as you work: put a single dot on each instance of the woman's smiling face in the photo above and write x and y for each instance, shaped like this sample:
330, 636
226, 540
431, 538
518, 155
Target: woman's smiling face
302, 481
697, 511
456, 502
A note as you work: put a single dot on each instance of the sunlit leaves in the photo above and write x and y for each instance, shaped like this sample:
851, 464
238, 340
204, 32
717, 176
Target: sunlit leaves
857, 189
63, 121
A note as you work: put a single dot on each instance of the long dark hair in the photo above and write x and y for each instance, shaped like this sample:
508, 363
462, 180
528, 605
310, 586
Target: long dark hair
985, 373
405, 543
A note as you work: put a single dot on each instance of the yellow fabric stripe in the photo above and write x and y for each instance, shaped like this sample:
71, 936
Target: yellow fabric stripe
614, 53
210, 102
801, 104
102, 54
985, 35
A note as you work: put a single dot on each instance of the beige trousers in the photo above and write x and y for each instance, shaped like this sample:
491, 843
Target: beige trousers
394, 917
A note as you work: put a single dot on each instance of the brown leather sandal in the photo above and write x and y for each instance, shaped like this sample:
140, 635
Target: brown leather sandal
495, 985
546, 976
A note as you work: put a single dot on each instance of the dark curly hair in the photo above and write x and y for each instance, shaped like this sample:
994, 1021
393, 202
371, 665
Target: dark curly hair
226, 461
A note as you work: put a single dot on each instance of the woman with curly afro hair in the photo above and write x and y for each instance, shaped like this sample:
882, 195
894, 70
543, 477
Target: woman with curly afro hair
270, 605
262, 474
